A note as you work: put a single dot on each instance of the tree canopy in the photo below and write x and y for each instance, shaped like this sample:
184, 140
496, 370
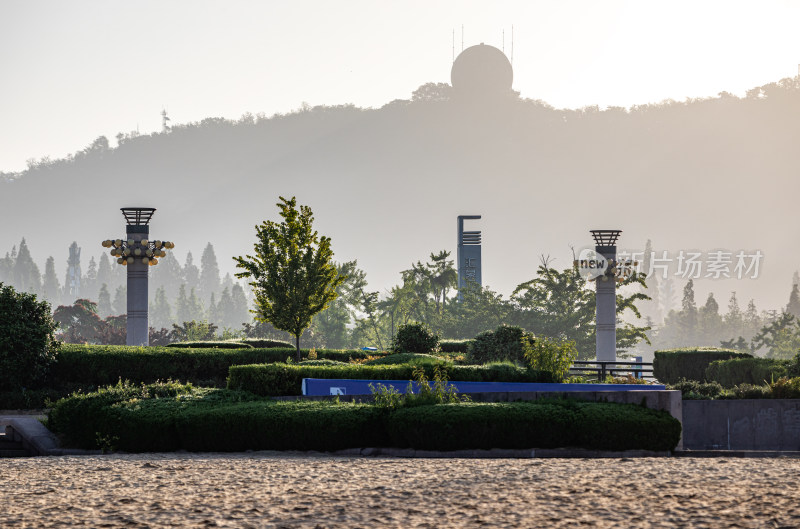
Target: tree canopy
291, 270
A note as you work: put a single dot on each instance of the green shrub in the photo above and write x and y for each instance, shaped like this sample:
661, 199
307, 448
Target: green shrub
549, 424
82, 417
454, 346
406, 358
504, 343
263, 343
553, 356
27, 340
286, 379
786, 388
415, 338
672, 365
692, 389
169, 416
210, 345
748, 391
440, 392
737, 371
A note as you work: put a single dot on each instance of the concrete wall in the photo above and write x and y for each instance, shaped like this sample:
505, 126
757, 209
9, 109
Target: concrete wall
763, 424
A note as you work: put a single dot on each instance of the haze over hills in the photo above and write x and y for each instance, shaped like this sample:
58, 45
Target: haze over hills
387, 184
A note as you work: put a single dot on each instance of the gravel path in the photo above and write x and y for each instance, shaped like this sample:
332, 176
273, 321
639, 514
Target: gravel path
268, 489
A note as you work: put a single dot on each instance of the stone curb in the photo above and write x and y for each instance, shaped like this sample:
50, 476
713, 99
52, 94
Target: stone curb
738, 453
498, 453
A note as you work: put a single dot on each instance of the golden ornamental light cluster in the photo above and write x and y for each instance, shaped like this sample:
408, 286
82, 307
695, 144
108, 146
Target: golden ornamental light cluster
127, 252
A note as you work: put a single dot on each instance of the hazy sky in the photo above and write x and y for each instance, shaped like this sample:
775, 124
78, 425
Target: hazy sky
72, 71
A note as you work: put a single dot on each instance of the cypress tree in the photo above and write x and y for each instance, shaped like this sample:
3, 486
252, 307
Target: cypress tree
25, 274
793, 307
50, 286
209, 273
104, 309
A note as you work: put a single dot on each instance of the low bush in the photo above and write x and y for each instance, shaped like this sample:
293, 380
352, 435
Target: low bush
406, 358
554, 356
286, 379
415, 338
169, 416
670, 366
503, 343
748, 391
454, 346
786, 388
210, 345
692, 389
754, 371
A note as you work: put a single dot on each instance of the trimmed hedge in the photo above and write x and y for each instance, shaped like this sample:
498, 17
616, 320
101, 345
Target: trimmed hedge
454, 346
672, 365
99, 365
264, 343
286, 379
170, 417
210, 345
545, 424
87, 367
407, 358
756, 371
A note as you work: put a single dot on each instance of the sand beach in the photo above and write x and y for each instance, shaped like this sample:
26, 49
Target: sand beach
278, 490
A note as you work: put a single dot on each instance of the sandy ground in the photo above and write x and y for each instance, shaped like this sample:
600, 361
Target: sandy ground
267, 489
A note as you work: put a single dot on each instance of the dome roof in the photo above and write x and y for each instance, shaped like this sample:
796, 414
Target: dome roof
481, 69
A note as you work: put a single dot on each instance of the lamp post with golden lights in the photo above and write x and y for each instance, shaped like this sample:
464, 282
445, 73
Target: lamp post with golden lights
137, 252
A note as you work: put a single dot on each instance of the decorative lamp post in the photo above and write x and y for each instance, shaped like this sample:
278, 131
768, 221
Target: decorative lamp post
137, 253
606, 295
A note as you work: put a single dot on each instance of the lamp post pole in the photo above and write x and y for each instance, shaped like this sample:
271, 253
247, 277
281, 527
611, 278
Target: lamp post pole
137, 253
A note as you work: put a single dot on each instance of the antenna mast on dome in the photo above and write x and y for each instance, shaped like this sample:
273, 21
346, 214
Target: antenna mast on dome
512, 44
454, 44
462, 37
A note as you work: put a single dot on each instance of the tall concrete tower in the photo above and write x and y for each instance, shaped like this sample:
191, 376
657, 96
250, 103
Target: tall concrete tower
137, 252
468, 254
606, 296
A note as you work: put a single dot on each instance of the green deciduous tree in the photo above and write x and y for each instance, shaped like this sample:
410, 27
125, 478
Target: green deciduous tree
560, 305
291, 272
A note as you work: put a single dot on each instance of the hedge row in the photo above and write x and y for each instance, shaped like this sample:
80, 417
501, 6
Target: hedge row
211, 344
244, 343
672, 365
172, 418
99, 365
286, 379
781, 388
736, 371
